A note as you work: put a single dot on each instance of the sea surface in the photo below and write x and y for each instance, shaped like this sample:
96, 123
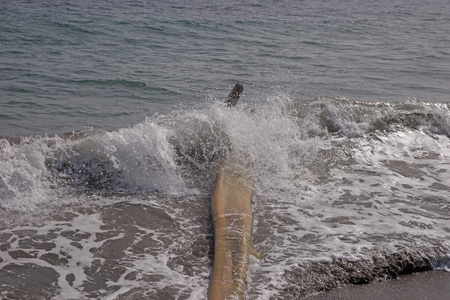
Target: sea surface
113, 127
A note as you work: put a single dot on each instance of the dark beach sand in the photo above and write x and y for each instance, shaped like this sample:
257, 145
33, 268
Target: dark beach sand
432, 285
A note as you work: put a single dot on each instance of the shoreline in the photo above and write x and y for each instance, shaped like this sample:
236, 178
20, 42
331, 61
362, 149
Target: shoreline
432, 285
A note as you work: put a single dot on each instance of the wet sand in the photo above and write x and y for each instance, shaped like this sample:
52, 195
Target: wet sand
431, 285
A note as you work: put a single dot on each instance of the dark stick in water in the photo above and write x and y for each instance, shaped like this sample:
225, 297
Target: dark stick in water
234, 95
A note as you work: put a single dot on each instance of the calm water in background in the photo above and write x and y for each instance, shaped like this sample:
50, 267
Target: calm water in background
69, 65
349, 148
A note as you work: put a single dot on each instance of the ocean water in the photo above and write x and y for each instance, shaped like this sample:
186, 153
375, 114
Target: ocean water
113, 126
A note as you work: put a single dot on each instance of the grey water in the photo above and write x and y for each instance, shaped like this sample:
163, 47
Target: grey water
72, 65
113, 126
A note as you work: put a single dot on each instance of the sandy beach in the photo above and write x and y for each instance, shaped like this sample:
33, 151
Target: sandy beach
432, 285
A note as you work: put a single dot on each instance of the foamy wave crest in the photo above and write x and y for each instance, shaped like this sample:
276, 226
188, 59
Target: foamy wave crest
284, 145
351, 118
139, 158
23, 174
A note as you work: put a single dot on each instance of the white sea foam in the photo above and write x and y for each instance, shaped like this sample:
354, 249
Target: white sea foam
143, 156
77, 254
323, 192
24, 178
